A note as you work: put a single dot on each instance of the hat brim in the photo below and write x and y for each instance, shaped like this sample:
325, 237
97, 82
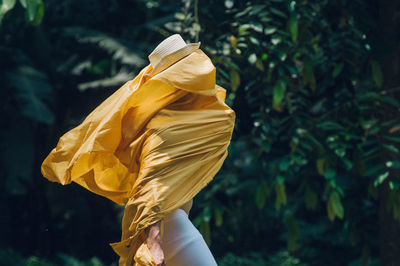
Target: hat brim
174, 57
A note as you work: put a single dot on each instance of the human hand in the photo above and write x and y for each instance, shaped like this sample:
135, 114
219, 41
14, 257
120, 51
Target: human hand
153, 241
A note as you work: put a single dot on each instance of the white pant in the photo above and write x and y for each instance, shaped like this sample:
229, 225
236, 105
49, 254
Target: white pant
182, 243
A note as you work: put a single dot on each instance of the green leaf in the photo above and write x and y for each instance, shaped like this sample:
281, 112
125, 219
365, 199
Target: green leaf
331, 212
33, 90
338, 69
261, 194
336, 203
260, 65
329, 125
234, 79
391, 147
280, 195
293, 27
293, 233
379, 180
269, 30
205, 231
348, 163
278, 94
32, 8
308, 74
278, 12
310, 198
23, 3
373, 170
284, 164
329, 173
39, 15
320, 166
6, 5
276, 39
218, 217
377, 74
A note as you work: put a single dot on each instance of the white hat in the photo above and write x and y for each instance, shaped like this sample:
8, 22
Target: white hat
170, 51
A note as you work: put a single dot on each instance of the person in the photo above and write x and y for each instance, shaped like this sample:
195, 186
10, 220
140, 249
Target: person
152, 146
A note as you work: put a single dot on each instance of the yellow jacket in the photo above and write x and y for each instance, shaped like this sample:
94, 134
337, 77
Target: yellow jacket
152, 145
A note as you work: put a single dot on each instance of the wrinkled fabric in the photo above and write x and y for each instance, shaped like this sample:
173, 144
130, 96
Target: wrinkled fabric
152, 145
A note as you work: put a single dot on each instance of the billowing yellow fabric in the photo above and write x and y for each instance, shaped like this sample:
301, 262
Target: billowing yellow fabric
152, 145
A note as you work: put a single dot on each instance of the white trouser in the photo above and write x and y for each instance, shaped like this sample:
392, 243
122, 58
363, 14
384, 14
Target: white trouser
182, 243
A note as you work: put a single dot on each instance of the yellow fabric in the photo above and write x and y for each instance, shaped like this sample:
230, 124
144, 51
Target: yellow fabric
152, 145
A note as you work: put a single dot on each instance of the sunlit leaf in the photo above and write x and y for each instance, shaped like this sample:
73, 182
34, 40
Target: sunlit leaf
5, 6
379, 180
336, 203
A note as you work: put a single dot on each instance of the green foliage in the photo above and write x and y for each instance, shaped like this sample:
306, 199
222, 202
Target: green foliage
34, 10
314, 103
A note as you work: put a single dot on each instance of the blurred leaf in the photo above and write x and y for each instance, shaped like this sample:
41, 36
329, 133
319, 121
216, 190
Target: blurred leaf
293, 27
33, 89
233, 41
269, 30
338, 69
329, 173
329, 125
310, 198
336, 204
280, 195
114, 46
32, 8
308, 74
379, 180
390, 147
320, 166
205, 231
234, 79
377, 74
278, 12
5, 6
293, 233
278, 94
39, 14
261, 194
218, 218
